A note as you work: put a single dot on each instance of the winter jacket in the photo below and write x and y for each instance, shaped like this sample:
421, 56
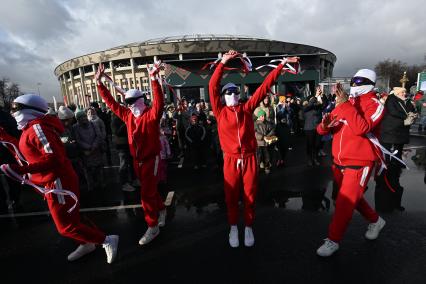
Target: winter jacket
354, 119
119, 132
235, 124
312, 115
42, 147
195, 134
165, 152
392, 128
143, 132
282, 130
262, 129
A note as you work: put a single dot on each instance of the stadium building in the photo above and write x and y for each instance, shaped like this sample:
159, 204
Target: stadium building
185, 57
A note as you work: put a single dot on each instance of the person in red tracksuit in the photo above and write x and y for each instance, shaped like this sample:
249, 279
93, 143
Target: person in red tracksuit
49, 167
238, 142
143, 132
354, 156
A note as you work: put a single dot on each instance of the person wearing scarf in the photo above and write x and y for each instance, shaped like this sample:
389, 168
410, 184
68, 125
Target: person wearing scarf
238, 142
41, 145
354, 156
143, 135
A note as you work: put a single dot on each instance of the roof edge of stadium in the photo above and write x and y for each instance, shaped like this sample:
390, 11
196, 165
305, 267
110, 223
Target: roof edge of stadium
185, 38
193, 37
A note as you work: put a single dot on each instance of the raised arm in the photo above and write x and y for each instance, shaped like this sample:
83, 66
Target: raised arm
214, 89
214, 84
263, 90
360, 124
158, 99
121, 111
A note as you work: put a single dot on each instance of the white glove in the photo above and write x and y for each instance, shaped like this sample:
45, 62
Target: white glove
409, 120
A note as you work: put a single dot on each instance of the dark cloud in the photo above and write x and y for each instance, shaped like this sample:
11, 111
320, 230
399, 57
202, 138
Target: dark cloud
42, 34
35, 20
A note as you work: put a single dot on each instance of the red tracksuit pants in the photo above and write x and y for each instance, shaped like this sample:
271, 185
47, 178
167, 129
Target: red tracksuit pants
240, 174
351, 184
69, 224
152, 203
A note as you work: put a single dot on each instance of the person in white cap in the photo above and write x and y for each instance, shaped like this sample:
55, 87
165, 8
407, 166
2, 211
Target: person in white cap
143, 132
237, 139
354, 156
50, 168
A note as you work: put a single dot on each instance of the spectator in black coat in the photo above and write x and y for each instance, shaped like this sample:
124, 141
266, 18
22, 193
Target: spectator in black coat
312, 113
195, 135
283, 132
400, 114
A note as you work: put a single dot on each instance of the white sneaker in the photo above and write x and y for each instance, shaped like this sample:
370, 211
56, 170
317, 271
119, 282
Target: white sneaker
81, 251
233, 237
111, 246
248, 237
149, 235
374, 229
162, 218
328, 248
127, 187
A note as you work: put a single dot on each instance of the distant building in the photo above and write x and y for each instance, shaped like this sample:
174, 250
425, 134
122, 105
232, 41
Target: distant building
185, 56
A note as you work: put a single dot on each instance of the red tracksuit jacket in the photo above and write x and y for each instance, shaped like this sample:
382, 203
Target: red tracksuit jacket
235, 124
355, 118
143, 132
42, 147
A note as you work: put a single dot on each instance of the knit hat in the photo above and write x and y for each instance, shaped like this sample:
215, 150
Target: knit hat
79, 113
228, 86
32, 101
397, 90
261, 113
65, 113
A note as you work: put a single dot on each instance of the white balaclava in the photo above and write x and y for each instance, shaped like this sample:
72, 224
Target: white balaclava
231, 94
33, 107
362, 82
136, 101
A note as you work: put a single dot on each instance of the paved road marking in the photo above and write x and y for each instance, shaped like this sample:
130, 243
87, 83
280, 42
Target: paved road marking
168, 202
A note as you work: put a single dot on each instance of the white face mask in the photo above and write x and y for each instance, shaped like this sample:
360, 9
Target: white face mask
22, 117
138, 107
360, 90
232, 99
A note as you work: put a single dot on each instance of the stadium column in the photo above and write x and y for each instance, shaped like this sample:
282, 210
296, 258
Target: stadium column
132, 64
66, 91
74, 91
83, 87
111, 68
96, 89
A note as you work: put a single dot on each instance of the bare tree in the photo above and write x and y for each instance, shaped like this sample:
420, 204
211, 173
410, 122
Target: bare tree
394, 69
8, 92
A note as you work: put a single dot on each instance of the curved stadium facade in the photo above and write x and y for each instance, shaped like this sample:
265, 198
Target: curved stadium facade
185, 56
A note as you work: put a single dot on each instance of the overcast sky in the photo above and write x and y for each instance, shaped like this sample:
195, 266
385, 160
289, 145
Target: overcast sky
38, 35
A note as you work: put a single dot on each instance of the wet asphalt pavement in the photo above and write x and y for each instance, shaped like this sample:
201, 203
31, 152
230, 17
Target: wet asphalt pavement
292, 219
